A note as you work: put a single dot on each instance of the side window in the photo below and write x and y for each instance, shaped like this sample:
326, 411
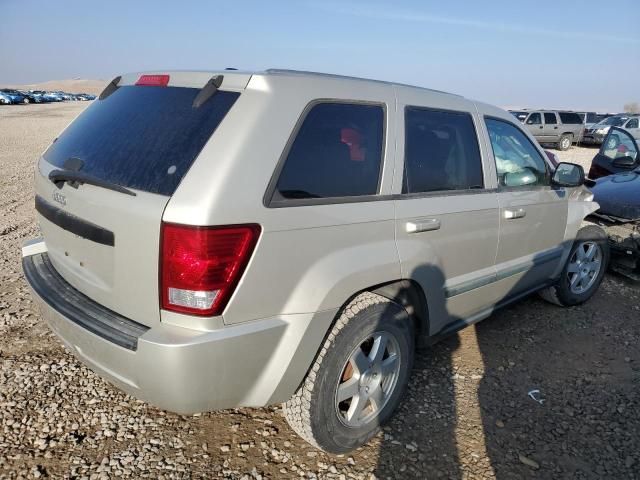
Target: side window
534, 119
440, 152
633, 123
550, 118
518, 162
337, 152
570, 118
619, 144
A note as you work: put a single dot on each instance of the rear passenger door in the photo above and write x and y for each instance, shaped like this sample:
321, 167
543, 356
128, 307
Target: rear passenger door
551, 132
533, 214
446, 214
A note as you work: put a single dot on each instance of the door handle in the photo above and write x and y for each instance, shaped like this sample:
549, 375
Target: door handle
422, 225
555, 128
540, 126
518, 213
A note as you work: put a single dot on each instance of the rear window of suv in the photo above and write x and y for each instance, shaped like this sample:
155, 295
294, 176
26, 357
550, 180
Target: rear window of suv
337, 152
141, 137
570, 118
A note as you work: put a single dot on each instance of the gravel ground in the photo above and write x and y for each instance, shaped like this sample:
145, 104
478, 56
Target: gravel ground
467, 413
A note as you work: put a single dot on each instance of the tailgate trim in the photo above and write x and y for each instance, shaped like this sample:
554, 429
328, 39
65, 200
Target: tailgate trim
74, 224
77, 307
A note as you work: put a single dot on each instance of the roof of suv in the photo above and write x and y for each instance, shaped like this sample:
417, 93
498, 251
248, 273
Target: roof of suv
240, 78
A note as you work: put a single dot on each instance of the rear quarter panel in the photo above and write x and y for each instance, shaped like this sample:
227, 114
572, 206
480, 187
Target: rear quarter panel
309, 258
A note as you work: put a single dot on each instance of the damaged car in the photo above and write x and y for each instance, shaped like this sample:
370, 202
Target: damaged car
619, 197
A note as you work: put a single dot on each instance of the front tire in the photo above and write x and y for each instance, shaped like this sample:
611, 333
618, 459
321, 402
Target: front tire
584, 270
358, 378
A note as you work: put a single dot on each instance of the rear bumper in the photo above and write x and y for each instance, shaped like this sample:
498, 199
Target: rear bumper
187, 371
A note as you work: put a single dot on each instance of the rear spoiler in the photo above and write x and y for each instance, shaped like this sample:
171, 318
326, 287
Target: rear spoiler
112, 87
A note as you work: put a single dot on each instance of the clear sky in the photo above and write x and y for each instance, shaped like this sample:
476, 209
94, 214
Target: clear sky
543, 53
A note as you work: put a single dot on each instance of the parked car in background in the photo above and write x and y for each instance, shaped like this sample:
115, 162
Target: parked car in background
597, 133
15, 96
53, 97
619, 197
618, 153
589, 119
40, 96
4, 99
551, 126
359, 241
85, 97
31, 98
519, 114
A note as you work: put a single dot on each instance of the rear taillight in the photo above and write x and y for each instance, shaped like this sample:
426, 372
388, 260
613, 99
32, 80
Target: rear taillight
201, 266
153, 80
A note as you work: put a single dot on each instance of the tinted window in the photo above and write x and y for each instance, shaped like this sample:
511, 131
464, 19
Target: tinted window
144, 138
571, 118
534, 119
336, 153
441, 152
592, 118
550, 118
518, 162
633, 123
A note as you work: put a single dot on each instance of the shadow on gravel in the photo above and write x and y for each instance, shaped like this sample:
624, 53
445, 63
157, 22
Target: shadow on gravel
420, 438
492, 428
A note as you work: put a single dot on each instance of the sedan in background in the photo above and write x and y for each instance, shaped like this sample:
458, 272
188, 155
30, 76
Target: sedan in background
14, 96
4, 99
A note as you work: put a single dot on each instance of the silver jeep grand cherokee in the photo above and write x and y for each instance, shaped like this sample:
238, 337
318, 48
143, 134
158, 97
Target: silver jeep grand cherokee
216, 240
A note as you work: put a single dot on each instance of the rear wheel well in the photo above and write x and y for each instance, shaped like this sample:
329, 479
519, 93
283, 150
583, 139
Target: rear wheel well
409, 295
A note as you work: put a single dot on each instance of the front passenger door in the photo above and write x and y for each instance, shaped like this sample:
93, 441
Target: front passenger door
533, 214
535, 126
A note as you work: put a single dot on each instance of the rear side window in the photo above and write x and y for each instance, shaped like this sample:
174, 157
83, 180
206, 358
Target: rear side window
441, 152
144, 138
570, 118
550, 118
337, 152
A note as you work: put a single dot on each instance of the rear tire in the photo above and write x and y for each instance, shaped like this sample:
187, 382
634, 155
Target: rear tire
584, 270
350, 390
565, 142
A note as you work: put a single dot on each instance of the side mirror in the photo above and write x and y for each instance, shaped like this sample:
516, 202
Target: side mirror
568, 175
624, 162
520, 179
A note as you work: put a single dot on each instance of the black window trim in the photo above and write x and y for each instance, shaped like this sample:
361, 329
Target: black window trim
502, 188
269, 201
442, 193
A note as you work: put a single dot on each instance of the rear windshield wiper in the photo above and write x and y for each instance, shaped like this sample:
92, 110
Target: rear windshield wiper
298, 194
73, 178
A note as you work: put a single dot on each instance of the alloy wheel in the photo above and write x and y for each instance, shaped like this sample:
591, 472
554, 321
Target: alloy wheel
584, 266
368, 379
